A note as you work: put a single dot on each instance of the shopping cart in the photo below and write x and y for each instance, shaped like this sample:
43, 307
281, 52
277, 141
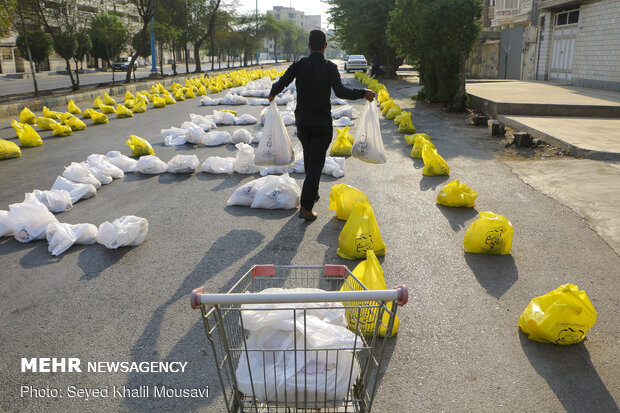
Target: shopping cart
333, 379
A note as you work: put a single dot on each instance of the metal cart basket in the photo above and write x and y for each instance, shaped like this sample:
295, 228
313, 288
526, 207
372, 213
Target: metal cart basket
334, 378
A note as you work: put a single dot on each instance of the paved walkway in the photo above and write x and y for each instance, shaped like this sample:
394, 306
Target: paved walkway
585, 122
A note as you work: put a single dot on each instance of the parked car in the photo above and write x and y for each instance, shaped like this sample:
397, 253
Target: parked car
122, 63
355, 62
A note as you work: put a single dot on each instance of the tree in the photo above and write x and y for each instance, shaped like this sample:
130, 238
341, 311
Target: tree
65, 45
108, 36
84, 46
201, 21
7, 14
273, 29
34, 46
146, 11
444, 35
360, 27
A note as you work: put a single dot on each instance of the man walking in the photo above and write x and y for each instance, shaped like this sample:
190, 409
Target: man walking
315, 77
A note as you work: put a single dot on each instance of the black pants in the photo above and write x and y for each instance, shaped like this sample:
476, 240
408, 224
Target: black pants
315, 140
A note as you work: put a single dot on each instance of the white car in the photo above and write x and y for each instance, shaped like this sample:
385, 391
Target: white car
355, 62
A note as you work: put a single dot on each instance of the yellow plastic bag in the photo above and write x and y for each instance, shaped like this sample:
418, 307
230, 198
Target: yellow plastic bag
397, 118
406, 126
360, 234
75, 124
139, 146
107, 109
178, 95
190, 94
169, 100
343, 198
45, 123
51, 114
154, 90
30, 137
19, 127
98, 117
383, 96
344, 132
9, 150
86, 113
65, 117
562, 316
107, 100
61, 130
26, 116
364, 320
341, 146
202, 90
489, 234
392, 113
140, 107
73, 108
129, 103
434, 164
97, 103
234, 112
456, 194
421, 139
129, 96
387, 106
123, 112
159, 102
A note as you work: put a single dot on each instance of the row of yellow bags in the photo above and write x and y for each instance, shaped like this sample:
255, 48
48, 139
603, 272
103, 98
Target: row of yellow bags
360, 238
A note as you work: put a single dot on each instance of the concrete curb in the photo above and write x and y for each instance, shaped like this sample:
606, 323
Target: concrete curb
12, 109
554, 140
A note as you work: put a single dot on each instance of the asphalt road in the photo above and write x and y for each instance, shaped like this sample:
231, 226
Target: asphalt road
458, 348
52, 80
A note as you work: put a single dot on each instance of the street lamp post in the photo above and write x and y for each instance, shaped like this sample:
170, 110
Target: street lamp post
153, 58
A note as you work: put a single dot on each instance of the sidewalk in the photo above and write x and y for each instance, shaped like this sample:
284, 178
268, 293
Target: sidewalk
585, 122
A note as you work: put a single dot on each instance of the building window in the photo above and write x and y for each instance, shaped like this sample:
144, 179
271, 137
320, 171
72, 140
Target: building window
567, 17
6, 53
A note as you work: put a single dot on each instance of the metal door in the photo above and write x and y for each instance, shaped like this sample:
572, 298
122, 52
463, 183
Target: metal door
562, 51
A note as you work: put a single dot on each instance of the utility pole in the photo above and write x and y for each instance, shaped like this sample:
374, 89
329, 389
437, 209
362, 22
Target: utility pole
153, 56
258, 49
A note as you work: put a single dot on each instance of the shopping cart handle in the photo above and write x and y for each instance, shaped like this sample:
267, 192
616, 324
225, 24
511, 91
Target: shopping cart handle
399, 294
194, 298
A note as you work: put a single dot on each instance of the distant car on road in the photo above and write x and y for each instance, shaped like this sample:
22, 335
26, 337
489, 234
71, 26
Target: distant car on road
355, 62
122, 63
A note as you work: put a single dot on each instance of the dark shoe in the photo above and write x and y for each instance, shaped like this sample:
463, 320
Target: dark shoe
307, 214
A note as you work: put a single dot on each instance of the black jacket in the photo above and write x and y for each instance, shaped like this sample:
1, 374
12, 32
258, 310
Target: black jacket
316, 76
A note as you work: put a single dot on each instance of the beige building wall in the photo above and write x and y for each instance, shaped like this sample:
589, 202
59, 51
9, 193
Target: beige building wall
597, 47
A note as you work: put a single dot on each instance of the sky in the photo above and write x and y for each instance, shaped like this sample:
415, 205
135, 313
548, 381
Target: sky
307, 6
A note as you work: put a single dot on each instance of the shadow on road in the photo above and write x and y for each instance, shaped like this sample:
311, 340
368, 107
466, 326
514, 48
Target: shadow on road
457, 216
569, 372
496, 273
168, 178
431, 182
97, 258
242, 211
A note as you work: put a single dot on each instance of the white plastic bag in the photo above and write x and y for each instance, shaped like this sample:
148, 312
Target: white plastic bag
275, 146
80, 172
246, 119
207, 101
334, 166
173, 136
233, 99
125, 231
241, 135
284, 99
183, 164
101, 175
28, 220
342, 122
322, 377
338, 101
256, 138
263, 114
288, 118
76, 190
215, 138
368, 144
193, 133
61, 236
347, 111
217, 165
123, 162
276, 170
283, 193
56, 200
224, 118
5, 229
244, 160
202, 121
101, 161
244, 194
151, 164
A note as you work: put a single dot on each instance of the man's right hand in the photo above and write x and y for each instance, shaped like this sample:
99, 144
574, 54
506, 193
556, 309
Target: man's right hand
270, 98
370, 95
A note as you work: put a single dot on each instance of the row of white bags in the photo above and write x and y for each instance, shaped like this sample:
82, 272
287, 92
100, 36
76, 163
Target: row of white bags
31, 220
319, 330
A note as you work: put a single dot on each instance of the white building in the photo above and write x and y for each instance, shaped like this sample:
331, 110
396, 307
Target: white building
308, 22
